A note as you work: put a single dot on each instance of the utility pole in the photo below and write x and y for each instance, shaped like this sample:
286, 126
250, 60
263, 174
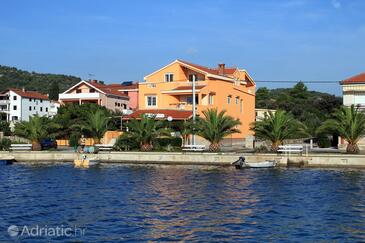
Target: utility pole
194, 109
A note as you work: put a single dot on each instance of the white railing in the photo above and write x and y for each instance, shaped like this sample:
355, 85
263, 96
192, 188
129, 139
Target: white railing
79, 96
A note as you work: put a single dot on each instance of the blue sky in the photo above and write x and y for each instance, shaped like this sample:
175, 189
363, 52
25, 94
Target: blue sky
125, 40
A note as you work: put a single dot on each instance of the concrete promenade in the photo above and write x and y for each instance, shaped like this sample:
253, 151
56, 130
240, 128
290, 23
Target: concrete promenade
178, 158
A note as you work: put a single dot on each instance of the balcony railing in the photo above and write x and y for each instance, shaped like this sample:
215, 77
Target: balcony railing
79, 96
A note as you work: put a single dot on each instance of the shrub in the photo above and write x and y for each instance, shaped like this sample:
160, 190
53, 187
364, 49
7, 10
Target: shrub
74, 140
5, 144
173, 141
324, 142
125, 143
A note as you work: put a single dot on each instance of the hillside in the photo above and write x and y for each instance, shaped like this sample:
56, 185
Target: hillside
305, 105
11, 77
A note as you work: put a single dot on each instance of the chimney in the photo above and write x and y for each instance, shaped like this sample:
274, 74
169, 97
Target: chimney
221, 67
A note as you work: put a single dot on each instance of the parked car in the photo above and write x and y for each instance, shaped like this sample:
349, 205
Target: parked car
48, 144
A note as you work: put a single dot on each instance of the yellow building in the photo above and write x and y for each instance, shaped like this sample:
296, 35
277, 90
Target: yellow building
168, 92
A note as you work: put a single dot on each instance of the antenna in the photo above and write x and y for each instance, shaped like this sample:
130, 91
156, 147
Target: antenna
91, 76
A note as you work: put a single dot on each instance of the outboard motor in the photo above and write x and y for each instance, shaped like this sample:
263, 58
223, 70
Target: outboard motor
239, 164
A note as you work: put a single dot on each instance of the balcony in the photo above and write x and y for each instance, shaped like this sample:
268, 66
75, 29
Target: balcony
4, 102
79, 96
182, 106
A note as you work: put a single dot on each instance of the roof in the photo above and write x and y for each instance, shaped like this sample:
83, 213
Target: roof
162, 114
215, 71
30, 94
189, 87
111, 89
360, 78
123, 87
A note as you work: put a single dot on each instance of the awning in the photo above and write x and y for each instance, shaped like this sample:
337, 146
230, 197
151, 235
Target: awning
161, 114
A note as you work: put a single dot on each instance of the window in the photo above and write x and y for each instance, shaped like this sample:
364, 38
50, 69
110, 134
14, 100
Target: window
14, 118
116, 104
30, 100
211, 99
14, 97
41, 101
189, 99
241, 105
41, 109
46, 109
151, 100
124, 106
169, 77
229, 99
237, 99
30, 108
193, 76
34, 108
78, 91
92, 90
14, 108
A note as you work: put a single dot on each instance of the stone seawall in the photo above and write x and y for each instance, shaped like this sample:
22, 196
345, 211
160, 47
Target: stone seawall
218, 159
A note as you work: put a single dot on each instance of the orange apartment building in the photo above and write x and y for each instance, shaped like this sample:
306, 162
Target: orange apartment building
168, 92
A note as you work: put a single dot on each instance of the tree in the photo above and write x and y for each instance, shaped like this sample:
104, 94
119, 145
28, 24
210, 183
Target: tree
35, 130
349, 123
96, 124
54, 91
278, 126
215, 126
145, 131
186, 128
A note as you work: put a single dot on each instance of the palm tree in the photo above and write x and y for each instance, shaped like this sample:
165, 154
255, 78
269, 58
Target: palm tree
145, 131
186, 128
96, 124
349, 123
35, 130
278, 126
215, 126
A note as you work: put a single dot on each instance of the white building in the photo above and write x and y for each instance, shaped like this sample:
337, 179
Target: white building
19, 105
354, 90
261, 113
97, 93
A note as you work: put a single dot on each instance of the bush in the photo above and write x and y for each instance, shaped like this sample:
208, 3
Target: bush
124, 143
262, 149
173, 141
5, 144
74, 140
324, 142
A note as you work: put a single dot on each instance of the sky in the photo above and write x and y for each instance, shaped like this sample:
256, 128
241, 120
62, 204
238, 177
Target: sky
117, 40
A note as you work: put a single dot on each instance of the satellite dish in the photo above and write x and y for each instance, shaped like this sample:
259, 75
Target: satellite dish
169, 118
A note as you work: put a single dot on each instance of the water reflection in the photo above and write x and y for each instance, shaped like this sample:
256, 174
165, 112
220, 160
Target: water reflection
161, 203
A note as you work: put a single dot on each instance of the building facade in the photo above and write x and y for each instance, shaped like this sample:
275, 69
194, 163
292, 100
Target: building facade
19, 105
98, 93
230, 89
353, 90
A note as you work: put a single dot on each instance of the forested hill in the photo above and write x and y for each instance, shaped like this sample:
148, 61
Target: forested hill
307, 106
11, 77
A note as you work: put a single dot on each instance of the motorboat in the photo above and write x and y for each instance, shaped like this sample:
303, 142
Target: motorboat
242, 163
85, 162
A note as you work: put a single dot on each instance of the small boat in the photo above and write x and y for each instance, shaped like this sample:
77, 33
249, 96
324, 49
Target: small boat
86, 162
241, 163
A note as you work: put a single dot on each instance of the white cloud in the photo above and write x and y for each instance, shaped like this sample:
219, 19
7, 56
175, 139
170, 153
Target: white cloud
336, 4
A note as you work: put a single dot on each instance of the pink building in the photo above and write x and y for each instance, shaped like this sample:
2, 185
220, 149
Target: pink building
130, 89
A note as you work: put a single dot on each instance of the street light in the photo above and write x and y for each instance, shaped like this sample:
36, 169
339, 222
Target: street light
194, 111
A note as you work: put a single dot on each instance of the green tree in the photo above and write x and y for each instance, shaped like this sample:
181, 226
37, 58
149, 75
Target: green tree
54, 91
214, 126
96, 125
349, 123
35, 130
145, 131
277, 127
186, 128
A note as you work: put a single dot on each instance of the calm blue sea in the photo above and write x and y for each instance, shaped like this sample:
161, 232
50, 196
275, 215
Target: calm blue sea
58, 203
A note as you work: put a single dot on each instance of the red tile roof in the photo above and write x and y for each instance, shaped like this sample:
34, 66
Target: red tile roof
123, 87
108, 89
30, 94
189, 87
360, 78
215, 71
175, 114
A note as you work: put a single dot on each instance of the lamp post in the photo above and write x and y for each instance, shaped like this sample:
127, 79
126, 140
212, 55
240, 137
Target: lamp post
194, 110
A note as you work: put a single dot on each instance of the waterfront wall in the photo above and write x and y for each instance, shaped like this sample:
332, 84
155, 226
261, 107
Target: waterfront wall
218, 159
